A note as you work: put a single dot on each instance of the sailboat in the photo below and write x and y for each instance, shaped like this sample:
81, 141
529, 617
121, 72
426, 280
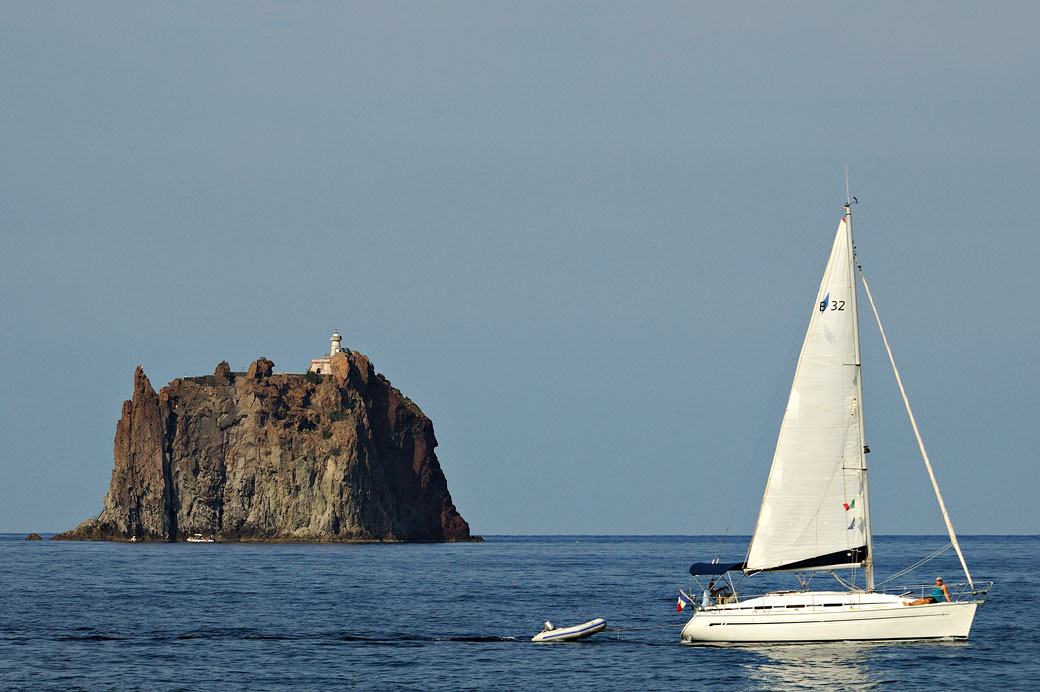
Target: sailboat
815, 513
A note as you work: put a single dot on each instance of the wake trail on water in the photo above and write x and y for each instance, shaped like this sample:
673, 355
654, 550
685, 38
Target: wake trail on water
323, 639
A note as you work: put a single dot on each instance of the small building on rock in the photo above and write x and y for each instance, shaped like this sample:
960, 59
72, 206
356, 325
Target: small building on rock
322, 365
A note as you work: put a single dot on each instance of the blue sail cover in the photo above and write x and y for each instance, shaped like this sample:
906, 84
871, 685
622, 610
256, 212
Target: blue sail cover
699, 568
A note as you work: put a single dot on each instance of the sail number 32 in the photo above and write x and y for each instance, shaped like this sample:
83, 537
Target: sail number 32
835, 305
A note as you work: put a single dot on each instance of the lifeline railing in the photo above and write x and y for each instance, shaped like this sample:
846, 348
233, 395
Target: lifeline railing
959, 591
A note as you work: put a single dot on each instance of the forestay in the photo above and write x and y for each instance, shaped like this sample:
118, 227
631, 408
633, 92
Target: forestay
814, 510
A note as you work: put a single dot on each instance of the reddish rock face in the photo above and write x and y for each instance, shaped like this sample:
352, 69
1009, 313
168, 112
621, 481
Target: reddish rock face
264, 456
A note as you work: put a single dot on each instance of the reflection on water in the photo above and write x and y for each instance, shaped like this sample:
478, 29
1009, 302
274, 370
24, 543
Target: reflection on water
831, 666
810, 667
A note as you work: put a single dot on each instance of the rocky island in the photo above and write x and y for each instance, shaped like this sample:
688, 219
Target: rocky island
334, 454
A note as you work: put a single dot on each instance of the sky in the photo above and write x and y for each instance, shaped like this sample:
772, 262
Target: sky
583, 237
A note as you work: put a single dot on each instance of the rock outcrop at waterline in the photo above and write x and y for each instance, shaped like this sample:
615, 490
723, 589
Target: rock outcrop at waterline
271, 456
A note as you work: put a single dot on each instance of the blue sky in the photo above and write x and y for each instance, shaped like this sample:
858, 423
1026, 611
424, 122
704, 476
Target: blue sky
581, 236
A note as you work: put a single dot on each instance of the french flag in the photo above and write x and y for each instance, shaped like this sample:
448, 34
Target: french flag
683, 602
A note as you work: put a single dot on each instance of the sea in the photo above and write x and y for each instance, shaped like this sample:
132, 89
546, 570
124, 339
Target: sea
248, 616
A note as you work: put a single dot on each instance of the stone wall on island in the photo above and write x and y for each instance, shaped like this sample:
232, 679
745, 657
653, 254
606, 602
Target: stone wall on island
272, 456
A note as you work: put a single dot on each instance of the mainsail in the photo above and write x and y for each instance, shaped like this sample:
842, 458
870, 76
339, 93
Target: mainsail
814, 512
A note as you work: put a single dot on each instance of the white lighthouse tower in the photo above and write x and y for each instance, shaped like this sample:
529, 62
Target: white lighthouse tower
323, 366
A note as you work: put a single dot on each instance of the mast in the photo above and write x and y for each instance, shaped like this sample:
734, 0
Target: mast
868, 565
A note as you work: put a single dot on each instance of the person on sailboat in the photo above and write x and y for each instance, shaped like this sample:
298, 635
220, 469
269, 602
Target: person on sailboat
712, 593
938, 593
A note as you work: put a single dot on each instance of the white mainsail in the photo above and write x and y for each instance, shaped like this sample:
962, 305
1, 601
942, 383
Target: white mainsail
814, 510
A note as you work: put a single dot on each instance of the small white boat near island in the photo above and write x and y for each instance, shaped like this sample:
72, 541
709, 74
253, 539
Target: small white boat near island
569, 634
199, 538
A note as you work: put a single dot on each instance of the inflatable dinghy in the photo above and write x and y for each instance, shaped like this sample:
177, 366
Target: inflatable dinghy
569, 634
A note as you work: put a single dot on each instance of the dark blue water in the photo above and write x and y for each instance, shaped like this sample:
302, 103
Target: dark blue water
119, 616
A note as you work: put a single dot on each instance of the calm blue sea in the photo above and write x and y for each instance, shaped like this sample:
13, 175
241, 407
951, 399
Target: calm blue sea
120, 616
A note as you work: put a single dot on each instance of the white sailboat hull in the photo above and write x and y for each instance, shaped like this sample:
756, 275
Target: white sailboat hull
806, 618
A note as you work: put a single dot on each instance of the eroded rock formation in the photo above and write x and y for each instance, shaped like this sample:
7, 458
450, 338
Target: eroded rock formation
266, 456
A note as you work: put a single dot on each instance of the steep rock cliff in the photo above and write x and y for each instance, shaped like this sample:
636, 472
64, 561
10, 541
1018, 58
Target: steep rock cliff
266, 456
